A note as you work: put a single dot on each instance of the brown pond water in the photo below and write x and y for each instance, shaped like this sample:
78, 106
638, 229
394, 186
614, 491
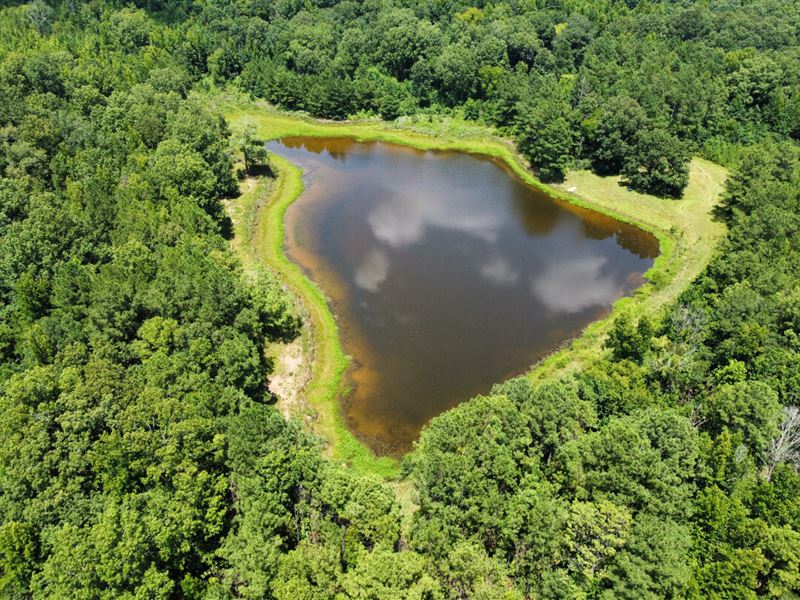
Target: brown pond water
446, 273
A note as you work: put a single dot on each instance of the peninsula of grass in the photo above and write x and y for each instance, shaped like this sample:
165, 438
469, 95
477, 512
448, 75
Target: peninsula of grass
685, 229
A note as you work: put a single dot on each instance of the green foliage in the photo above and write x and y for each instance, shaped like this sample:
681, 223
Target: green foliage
531, 536
616, 388
657, 164
613, 133
19, 548
642, 462
545, 135
462, 480
628, 341
254, 152
640, 88
652, 564
748, 408
384, 573
138, 458
594, 533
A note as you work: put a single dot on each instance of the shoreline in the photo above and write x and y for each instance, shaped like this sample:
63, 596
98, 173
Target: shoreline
685, 232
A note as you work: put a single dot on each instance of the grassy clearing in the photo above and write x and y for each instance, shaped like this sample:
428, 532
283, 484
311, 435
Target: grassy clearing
685, 230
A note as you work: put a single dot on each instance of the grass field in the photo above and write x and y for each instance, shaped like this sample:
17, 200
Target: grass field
685, 230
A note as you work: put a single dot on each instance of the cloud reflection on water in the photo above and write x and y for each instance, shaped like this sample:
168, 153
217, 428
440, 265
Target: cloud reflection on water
573, 285
403, 219
373, 271
499, 272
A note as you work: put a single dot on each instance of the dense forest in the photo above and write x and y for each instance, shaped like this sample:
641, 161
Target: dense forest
140, 454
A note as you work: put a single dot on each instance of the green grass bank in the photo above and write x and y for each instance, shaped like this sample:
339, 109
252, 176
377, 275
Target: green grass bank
685, 229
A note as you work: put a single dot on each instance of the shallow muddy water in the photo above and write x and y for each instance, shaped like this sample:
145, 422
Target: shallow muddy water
446, 272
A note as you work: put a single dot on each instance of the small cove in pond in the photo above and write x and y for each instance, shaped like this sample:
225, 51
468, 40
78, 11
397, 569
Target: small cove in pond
446, 272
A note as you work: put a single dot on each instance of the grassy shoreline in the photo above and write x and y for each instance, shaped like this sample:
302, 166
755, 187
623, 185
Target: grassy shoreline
684, 229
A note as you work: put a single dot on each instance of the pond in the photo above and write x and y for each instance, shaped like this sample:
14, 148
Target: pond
446, 273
